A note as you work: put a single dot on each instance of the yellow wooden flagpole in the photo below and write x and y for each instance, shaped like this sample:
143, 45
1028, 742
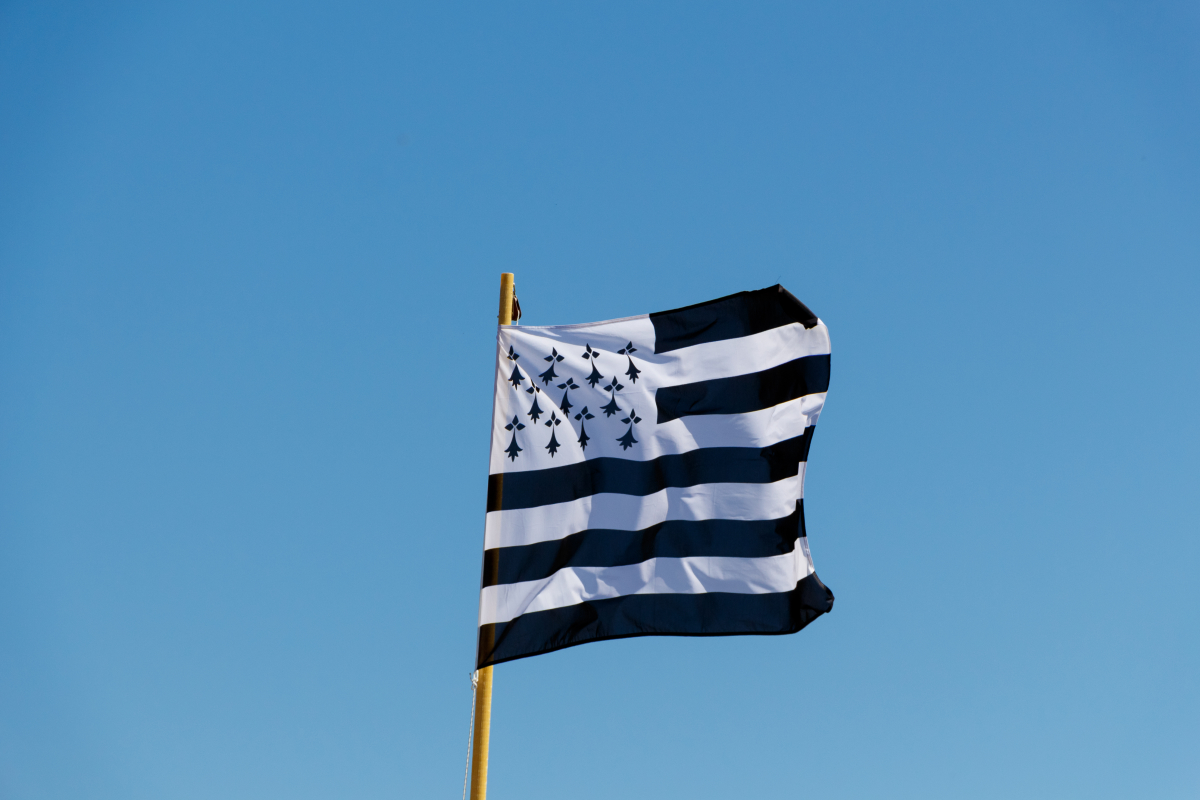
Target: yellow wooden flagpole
483, 688
483, 725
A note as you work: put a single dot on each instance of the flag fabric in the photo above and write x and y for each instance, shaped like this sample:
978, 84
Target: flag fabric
647, 477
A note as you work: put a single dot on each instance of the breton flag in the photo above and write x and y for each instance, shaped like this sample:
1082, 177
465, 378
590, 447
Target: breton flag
647, 477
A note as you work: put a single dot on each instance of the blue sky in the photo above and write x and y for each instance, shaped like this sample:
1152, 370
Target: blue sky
249, 258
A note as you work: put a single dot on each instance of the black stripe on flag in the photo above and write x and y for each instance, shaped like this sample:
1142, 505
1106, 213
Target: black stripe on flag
671, 539
711, 614
732, 317
742, 393
542, 487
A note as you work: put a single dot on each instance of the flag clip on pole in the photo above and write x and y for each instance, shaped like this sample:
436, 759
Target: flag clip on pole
483, 688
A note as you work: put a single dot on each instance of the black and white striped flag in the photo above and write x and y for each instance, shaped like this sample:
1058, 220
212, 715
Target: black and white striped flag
647, 477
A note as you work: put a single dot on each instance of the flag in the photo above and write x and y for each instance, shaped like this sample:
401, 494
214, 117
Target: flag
647, 477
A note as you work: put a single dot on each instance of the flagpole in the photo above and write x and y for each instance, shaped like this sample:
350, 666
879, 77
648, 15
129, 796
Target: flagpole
483, 687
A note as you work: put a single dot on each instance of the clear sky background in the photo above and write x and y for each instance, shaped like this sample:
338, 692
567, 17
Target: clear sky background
249, 261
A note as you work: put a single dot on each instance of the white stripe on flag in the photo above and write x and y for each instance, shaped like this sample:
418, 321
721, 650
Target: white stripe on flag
696, 575
729, 357
699, 362
622, 512
754, 429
